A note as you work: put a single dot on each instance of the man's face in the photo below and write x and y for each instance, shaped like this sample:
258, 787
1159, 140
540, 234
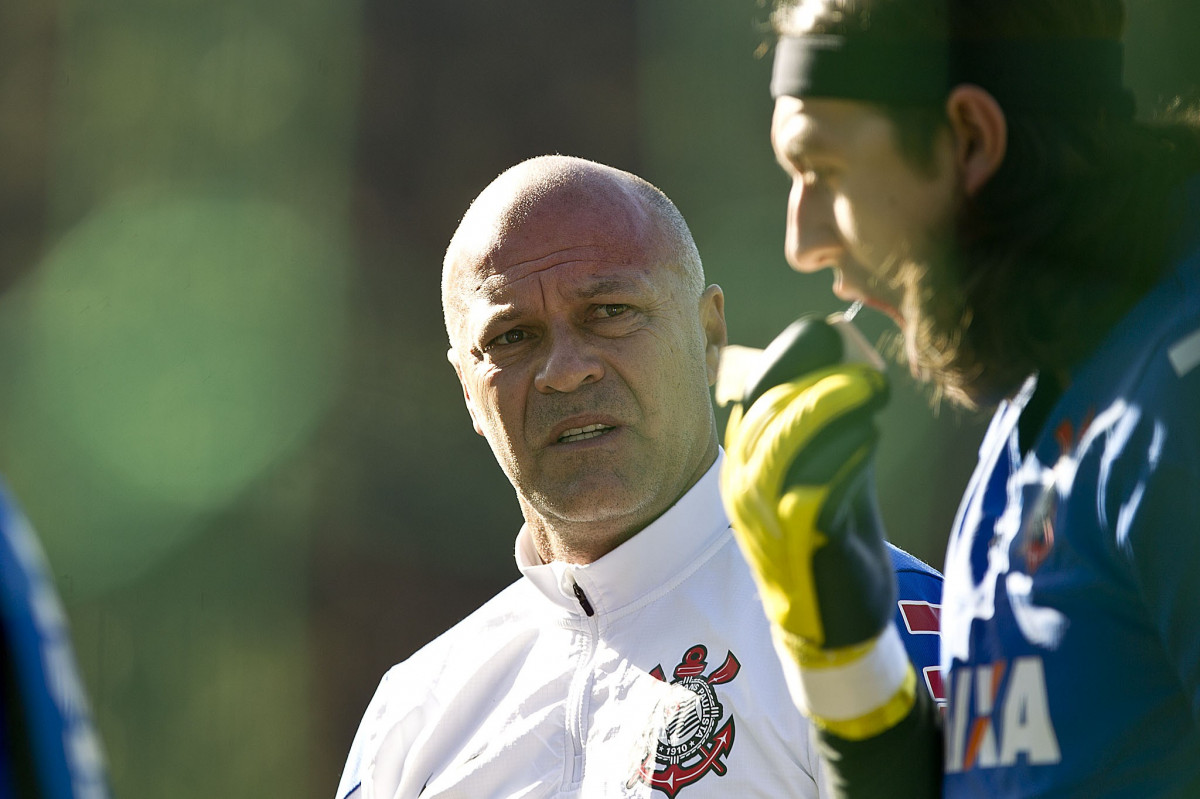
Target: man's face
585, 358
857, 206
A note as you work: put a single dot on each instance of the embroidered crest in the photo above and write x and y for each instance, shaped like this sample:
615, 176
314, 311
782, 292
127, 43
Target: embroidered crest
1038, 536
1037, 533
688, 739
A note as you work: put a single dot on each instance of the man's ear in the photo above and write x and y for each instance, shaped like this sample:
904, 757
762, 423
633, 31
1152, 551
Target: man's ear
452, 357
716, 335
980, 135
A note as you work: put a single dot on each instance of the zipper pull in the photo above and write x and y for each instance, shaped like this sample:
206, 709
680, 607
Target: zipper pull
583, 600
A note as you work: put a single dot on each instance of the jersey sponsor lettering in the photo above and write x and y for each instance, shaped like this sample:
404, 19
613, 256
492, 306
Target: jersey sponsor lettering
999, 714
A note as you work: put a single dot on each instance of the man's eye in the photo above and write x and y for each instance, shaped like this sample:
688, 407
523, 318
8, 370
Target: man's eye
507, 337
611, 309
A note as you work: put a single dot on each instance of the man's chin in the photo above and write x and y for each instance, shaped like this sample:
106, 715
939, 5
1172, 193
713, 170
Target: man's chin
851, 293
593, 499
888, 310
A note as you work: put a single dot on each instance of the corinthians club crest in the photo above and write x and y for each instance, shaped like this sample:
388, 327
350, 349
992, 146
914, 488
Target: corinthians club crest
687, 739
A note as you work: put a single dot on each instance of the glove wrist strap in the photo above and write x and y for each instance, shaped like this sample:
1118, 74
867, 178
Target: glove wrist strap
856, 692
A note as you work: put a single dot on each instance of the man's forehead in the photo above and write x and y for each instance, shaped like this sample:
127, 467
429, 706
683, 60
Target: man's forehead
572, 232
565, 240
816, 124
585, 272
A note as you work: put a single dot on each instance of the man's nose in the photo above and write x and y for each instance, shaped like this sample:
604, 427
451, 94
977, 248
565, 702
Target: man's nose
570, 362
813, 241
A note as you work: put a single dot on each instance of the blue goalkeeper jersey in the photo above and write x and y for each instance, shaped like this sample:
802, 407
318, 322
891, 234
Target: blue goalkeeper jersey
1071, 605
917, 616
43, 700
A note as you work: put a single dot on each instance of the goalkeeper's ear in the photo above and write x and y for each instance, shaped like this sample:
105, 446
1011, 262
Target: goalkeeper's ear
452, 357
716, 335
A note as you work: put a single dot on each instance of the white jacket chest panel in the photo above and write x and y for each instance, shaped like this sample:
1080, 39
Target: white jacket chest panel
579, 706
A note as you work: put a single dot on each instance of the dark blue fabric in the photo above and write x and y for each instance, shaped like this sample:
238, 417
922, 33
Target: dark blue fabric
7, 790
919, 592
1071, 617
68, 762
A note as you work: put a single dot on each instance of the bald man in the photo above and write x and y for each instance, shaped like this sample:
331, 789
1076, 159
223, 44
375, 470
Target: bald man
632, 657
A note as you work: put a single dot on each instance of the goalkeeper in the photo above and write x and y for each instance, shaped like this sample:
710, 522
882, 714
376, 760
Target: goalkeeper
974, 169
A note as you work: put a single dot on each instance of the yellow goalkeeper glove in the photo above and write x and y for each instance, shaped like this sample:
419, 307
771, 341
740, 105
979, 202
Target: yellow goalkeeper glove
797, 486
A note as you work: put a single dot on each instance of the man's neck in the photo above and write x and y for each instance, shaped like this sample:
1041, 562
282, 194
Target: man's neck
579, 542
576, 542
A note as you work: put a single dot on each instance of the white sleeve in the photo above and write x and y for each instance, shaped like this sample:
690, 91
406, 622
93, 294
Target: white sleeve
375, 767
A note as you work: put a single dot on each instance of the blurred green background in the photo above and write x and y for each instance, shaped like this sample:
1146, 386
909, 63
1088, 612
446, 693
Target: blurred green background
225, 403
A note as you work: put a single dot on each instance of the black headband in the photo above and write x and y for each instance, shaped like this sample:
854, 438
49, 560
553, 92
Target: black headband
1062, 76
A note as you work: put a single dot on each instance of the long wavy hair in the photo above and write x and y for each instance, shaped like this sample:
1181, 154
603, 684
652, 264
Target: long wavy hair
1073, 228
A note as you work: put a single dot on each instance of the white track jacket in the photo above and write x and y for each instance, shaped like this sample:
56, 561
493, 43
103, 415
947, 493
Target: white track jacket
647, 673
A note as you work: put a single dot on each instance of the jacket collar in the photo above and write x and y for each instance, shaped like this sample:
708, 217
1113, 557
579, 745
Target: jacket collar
650, 562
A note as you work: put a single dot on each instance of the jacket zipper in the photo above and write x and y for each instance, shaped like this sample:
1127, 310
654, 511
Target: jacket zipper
583, 600
578, 695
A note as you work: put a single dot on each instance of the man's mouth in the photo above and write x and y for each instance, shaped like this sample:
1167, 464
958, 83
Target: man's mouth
584, 433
